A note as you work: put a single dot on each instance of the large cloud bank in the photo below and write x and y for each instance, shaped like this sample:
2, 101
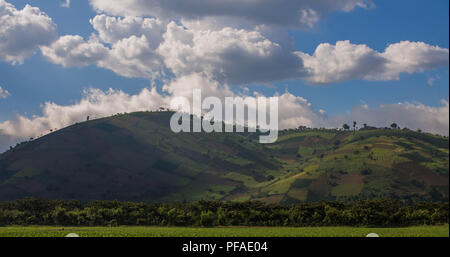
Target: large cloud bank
294, 111
151, 48
167, 39
266, 12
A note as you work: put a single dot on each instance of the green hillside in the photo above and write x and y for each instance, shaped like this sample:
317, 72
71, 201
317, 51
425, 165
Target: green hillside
136, 157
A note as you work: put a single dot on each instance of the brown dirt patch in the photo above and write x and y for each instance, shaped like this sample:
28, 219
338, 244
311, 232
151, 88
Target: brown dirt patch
434, 179
351, 179
313, 141
221, 147
320, 185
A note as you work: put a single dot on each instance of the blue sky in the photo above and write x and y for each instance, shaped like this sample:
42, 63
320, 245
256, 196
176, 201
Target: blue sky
389, 22
39, 80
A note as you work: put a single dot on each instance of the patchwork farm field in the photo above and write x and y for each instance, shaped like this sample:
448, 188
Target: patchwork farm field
137, 157
126, 231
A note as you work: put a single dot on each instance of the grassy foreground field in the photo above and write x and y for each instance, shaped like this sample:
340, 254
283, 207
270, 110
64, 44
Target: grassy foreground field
42, 231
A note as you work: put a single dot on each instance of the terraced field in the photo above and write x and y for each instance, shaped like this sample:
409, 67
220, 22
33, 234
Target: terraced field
136, 157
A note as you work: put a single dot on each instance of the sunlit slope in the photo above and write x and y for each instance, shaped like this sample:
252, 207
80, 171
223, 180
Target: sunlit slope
137, 157
364, 164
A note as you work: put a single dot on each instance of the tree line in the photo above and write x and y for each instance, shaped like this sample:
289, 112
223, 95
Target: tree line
379, 213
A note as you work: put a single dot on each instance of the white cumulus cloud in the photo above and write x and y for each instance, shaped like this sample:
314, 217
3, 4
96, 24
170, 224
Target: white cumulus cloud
148, 48
434, 119
294, 110
23, 31
4, 93
95, 104
346, 61
72, 50
133, 57
410, 57
112, 29
232, 55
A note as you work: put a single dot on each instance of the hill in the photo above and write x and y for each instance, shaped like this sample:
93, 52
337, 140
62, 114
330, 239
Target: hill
136, 157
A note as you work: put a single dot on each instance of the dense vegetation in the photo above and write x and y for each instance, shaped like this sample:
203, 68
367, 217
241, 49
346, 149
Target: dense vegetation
379, 213
136, 157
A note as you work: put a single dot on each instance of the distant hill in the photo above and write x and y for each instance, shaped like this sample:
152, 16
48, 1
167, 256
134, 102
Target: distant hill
136, 157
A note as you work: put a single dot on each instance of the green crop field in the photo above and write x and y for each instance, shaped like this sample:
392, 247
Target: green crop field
125, 231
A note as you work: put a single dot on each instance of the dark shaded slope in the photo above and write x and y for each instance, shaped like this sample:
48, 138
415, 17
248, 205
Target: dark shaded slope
127, 157
137, 157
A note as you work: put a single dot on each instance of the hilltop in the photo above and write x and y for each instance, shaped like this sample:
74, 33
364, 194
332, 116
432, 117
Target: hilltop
136, 157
